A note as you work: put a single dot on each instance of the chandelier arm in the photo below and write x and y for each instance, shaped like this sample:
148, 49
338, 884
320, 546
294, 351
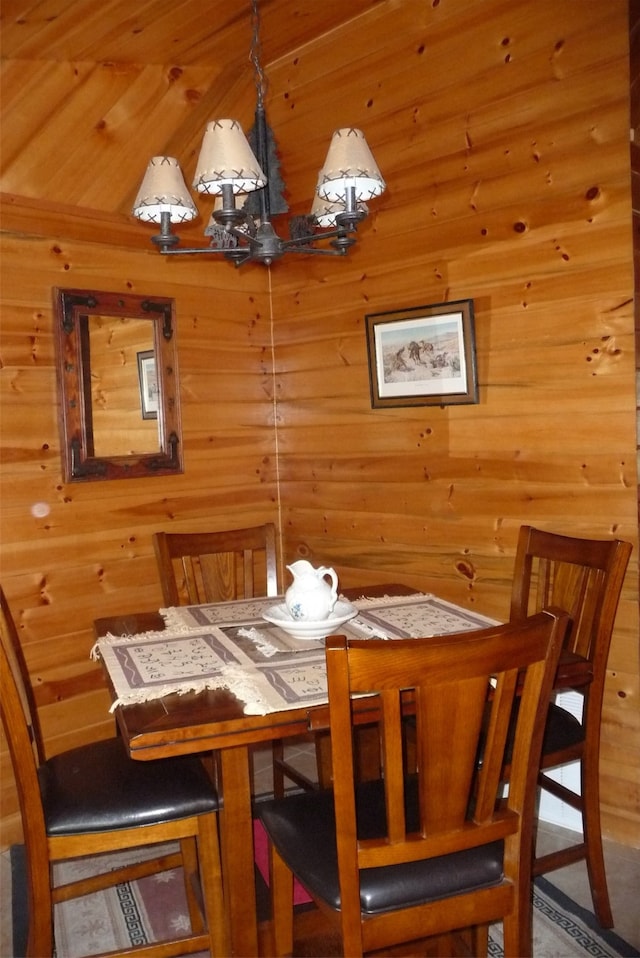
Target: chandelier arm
183, 250
315, 250
291, 244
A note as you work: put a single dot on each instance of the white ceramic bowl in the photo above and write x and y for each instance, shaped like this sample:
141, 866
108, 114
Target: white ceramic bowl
279, 615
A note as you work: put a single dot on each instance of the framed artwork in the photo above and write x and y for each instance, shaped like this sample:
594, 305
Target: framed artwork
148, 379
423, 356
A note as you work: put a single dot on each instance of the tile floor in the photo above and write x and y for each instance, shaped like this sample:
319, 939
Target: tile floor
623, 863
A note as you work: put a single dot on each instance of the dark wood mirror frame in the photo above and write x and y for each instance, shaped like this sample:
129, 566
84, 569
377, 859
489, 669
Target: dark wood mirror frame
73, 309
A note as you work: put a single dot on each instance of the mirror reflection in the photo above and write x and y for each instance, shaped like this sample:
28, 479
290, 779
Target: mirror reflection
124, 386
117, 371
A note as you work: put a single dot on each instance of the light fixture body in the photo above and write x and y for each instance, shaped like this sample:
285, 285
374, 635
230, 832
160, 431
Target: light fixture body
228, 168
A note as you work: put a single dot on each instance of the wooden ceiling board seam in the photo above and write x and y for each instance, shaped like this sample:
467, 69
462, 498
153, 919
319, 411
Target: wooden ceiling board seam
357, 24
25, 109
61, 141
36, 31
45, 220
128, 144
231, 95
431, 71
209, 26
165, 20
284, 118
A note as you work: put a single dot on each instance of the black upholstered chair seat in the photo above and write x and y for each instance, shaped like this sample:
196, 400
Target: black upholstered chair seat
302, 827
97, 787
561, 731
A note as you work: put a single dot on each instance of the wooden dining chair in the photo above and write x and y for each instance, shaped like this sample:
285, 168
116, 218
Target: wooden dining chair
198, 567
414, 856
95, 799
584, 577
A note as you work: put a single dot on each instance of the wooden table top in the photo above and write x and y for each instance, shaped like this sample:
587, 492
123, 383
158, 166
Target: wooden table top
188, 717
212, 718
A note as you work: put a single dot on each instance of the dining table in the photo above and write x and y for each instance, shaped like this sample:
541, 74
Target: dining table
220, 678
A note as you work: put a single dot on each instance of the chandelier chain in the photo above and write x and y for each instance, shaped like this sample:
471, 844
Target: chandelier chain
256, 54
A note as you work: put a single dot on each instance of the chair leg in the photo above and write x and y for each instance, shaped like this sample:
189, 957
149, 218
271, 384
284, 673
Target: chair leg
367, 755
590, 848
323, 759
470, 942
40, 934
366, 744
282, 770
189, 851
281, 879
480, 940
514, 947
277, 757
592, 832
517, 927
211, 883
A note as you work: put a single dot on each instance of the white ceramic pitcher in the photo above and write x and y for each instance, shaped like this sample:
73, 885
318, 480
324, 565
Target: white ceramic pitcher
310, 598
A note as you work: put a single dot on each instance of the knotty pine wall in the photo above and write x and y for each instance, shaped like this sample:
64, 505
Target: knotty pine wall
91, 553
502, 131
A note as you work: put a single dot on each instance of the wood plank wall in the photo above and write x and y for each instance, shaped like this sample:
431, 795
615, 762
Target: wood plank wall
503, 134
502, 131
71, 552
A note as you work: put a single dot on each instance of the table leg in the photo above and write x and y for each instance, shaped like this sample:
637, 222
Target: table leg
236, 829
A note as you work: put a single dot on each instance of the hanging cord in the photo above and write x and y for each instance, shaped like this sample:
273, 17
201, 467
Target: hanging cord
274, 400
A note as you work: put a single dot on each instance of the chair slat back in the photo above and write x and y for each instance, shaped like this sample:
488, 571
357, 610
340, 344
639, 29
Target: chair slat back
450, 679
197, 567
22, 731
582, 576
19, 693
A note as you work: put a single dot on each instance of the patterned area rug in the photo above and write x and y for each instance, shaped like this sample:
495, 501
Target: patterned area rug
152, 908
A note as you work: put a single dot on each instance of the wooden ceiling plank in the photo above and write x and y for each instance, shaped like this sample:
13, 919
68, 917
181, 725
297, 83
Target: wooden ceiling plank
66, 136
53, 31
161, 31
24, 216
141, 124
29, 91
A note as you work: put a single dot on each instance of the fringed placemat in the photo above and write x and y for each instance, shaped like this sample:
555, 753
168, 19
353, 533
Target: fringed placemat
228, 645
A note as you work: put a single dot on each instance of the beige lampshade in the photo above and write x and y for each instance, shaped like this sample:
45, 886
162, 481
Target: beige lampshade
227, 159
325, 213
349, 162
163, 190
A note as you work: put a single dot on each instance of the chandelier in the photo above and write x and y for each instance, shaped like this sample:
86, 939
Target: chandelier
231, 166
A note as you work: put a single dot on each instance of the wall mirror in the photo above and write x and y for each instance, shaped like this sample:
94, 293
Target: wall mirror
118, 382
